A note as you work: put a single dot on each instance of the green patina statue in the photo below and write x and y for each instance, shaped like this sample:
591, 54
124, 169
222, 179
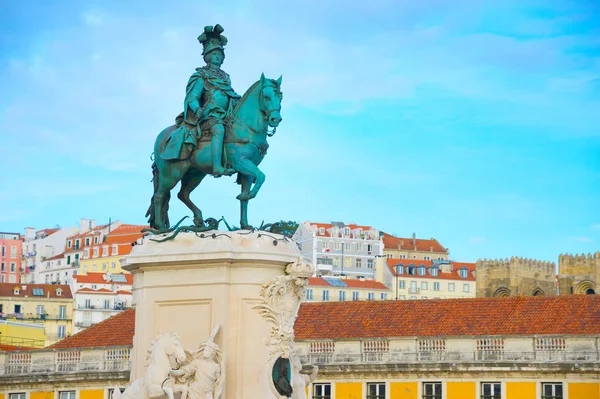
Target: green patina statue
218, 133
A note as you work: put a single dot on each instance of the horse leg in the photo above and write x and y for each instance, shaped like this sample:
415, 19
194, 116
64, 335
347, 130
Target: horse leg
245, 182
248, 168
166, 182
190, 181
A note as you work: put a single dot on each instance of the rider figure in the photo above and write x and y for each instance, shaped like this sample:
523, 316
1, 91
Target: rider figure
208, 102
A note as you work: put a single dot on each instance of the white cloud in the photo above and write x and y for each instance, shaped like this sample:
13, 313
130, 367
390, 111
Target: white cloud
476, 240
92, 18
581, 239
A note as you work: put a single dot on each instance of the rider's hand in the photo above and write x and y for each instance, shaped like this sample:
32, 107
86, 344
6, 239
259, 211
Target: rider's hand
200, 113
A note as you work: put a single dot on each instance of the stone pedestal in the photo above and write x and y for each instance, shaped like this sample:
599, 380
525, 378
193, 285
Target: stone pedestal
237, 280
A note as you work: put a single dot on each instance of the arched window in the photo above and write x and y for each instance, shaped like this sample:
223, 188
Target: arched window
590, 291
422, 270
434, 271
399, 268
538, 292
502, 292
412, 269
463, 273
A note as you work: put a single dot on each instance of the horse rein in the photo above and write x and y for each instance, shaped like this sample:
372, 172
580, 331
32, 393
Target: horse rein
162, 386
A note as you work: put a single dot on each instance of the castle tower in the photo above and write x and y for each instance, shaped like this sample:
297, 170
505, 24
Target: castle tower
515, 277
578, 274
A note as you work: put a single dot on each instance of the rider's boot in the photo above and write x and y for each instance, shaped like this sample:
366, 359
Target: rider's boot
217, 154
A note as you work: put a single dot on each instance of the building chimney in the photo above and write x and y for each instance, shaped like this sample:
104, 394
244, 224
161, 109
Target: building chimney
86, 225
29, 233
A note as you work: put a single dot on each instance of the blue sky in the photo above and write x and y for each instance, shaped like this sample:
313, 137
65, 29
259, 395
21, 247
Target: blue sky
474, 122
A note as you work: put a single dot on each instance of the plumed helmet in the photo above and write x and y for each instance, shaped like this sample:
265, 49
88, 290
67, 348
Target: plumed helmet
212, 39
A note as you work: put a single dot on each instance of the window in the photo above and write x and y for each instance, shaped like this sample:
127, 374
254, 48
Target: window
434, 271
358, 247
4, 278
424, 285
463, 273
58, 292
114, 265
13, 267
309, 294
422, 270
490, 390
369, 263
321, 391
402, 297
107, 304
105, 251
355, 296
358, 262
115, 249
69, 258
86, 254
77, 244
342, 295
96, 240
436, 286
432, 390
87, 241
465, 287
62, 312
20, 395
61, 332
413, 287
104, 266
552, 390
112, 391
371, 296
399, 269
66, 395
40, 309
3, 267
402, 284
427, 258
338, 245
88, 303
324, 245
412, 270
94, 267
13, 252
12, 279
347, 262
451, 287
325, 295
95, 252
347, 246
369, 248
69, 244
375, 390
383, 296
17, 308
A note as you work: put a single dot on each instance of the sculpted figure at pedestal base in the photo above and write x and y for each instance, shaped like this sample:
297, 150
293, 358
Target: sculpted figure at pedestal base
300, 380
203, 372
156, 382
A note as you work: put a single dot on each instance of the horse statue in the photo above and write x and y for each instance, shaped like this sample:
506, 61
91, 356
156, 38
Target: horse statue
157, 381
245, 146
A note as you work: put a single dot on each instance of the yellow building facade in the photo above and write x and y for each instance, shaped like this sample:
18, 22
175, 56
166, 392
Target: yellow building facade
48, 305
27, 335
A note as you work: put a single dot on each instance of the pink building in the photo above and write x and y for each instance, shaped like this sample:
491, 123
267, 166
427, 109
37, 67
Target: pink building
10, 257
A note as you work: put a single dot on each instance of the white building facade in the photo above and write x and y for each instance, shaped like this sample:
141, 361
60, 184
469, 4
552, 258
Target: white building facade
99, 296
39, 246
339, 249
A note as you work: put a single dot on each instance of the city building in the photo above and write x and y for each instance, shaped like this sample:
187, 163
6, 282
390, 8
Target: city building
10, 257
39, 246
54, 270
21, 335
45, 304
427, 279
476, 348
515, 277
578, 274
339, 249
89, 236
336, 289
99, 296
413, 248
106, 255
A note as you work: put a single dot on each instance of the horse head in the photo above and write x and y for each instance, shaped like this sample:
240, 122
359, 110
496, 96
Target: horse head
270, 100
169, 345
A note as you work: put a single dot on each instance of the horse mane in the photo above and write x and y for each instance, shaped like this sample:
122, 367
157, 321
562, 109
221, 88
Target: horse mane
158, 338
252, 88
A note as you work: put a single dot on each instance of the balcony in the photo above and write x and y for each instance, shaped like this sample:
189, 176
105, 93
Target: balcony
100, 308
414, 290
43, 362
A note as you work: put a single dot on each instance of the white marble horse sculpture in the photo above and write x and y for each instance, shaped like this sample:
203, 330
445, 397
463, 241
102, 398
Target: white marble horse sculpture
157, 380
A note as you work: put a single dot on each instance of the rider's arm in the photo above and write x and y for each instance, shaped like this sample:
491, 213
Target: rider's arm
195, 96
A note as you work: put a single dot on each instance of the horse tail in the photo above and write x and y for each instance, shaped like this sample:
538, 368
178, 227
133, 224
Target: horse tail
150, 212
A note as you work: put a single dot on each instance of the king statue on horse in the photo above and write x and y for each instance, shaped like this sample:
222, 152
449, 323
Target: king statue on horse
208, 103
219, 133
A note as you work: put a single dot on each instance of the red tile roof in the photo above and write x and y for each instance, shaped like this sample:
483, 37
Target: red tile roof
10, 348
328, 226
122, 292
573, 315
46, 231
454, 275
114, 331
392, 242
49, 290
55, 257
92, 291
98, 278
366, 284
562, 315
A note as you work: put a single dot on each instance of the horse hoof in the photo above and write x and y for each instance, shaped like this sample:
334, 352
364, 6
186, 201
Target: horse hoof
243, 197
246, 227
198, 222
